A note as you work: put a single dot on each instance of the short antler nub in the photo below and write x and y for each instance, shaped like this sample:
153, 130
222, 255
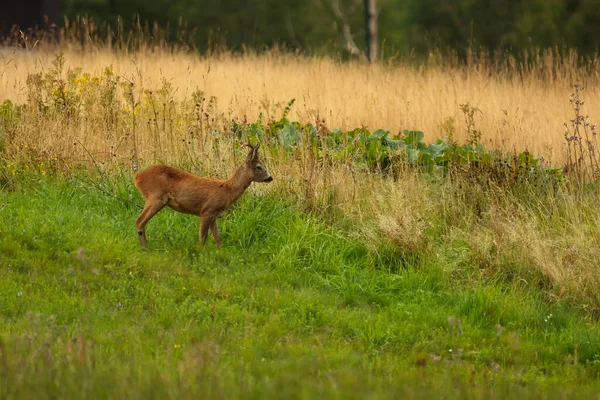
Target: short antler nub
252, 147
253, 154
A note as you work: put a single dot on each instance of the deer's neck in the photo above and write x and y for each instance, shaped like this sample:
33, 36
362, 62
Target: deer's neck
238, 184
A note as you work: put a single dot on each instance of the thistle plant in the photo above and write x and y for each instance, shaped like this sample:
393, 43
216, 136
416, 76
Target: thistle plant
581, 139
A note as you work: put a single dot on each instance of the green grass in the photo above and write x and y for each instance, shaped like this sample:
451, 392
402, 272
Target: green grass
291, 307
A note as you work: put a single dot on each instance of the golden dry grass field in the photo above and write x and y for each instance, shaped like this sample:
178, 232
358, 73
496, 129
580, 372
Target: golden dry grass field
521, 107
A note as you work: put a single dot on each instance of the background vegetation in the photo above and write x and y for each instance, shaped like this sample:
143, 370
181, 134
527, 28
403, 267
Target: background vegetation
404, 25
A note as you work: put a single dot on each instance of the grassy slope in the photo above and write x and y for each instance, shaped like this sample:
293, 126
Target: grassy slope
291, 306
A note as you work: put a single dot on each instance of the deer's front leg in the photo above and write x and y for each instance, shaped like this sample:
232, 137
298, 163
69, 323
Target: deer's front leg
205, 224
215, 231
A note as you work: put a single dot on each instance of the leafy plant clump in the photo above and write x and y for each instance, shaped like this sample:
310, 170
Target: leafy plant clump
382, 151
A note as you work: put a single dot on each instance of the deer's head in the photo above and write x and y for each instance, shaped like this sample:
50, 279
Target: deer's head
254, 167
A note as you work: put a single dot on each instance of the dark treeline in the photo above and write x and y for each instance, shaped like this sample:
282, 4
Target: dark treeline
405, 26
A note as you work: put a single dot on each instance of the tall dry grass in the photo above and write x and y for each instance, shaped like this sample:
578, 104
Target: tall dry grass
522, 106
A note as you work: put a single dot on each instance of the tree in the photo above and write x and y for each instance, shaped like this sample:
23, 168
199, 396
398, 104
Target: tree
344, 16
371, 30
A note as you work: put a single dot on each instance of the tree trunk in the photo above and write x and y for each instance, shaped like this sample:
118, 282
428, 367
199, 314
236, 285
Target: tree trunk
371, 30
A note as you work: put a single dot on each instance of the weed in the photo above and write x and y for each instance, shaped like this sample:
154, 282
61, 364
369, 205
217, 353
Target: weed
583, 160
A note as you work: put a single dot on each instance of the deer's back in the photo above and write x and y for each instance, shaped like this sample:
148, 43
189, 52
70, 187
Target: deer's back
181, 190
157, 179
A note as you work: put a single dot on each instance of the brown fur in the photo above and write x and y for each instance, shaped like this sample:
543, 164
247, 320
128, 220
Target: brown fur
208, 198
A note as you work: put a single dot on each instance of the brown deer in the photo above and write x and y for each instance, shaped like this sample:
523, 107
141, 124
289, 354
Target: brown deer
208, 198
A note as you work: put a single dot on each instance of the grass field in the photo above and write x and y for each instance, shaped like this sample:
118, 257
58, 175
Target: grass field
291, 307
336, 280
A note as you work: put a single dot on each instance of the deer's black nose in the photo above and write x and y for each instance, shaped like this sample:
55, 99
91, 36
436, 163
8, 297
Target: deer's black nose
269, 179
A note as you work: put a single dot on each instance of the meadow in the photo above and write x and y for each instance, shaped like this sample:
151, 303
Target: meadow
421, 237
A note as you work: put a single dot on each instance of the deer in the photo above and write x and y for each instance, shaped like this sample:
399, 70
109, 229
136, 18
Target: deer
208, 198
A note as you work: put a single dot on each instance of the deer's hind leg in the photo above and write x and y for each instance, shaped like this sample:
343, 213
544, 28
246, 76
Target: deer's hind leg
150, 209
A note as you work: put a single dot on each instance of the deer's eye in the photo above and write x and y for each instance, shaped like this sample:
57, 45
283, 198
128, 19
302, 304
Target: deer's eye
258, 168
